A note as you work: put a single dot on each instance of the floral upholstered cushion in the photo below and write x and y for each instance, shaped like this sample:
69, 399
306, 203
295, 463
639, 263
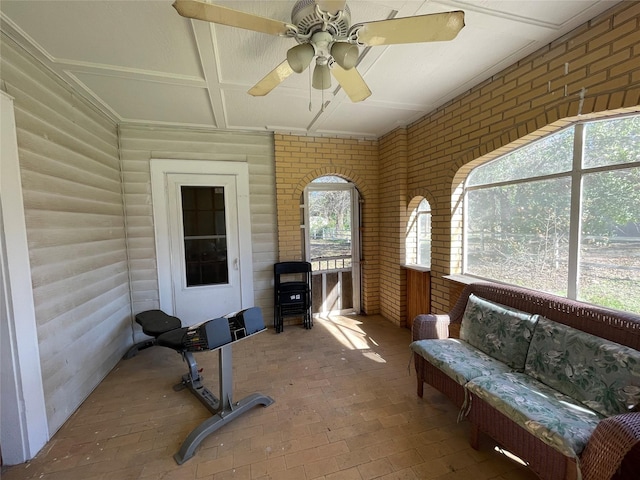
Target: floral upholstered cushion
556, 419
499, 331
603, 375
457, 359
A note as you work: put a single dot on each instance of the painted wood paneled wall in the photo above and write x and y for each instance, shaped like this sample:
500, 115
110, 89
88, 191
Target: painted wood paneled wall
75, 231
140, 144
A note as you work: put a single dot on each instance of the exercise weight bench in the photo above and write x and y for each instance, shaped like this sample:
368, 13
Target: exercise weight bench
216, 334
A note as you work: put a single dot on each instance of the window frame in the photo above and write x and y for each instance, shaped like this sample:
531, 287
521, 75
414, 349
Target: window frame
576, 175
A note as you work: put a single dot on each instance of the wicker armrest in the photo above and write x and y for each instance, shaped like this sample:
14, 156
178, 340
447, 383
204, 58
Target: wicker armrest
430, 326
614, 439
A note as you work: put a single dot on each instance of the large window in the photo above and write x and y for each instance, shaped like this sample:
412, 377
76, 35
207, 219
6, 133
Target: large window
561, 215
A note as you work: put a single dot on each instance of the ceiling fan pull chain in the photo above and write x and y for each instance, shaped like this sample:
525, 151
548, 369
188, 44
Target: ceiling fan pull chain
310, 88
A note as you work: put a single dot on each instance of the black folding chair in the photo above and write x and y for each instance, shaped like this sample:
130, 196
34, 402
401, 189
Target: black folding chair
292, 293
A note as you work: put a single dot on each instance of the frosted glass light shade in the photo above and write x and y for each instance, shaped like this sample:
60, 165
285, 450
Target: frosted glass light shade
321, 77
345, 54
300, 56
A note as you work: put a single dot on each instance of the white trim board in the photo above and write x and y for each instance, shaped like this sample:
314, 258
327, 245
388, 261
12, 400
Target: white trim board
24, 427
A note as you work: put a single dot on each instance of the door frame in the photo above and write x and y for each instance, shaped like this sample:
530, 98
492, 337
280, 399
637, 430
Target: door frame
160, 169
355, 237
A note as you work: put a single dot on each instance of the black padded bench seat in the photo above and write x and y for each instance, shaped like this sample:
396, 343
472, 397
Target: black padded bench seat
154, 323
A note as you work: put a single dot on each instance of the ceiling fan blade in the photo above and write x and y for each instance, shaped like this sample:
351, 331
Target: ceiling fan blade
226, 16
331, 6
352, 83
274, 78
434, 27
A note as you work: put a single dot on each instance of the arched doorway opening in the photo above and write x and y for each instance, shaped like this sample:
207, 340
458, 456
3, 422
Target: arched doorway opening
331, 207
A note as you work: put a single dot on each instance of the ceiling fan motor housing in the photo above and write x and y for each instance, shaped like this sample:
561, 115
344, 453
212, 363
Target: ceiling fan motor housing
304, 16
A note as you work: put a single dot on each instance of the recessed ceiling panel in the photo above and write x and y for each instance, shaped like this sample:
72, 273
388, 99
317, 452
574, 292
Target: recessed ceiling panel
245, 57
135, 100
533, 11
143, 35
278, 110
367, 11
369, 120
427, 77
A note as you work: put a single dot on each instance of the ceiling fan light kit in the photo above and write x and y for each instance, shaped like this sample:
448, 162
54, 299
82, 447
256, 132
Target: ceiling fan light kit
345, 54
300, 56
323, 30
321, 75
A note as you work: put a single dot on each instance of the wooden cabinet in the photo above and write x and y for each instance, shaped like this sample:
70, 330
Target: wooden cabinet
418, 292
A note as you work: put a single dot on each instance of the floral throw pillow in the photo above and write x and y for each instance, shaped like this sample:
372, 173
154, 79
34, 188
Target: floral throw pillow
499, 331
603, 375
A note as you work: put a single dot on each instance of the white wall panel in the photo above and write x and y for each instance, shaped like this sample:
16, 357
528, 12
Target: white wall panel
75, 232
139, 145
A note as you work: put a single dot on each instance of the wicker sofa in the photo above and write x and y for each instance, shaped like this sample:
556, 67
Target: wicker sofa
486, 390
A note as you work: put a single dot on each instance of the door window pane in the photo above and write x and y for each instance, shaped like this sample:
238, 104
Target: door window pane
519, 234
610, 242
205, 241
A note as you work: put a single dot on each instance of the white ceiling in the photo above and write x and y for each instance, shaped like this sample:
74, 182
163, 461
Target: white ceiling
142, 63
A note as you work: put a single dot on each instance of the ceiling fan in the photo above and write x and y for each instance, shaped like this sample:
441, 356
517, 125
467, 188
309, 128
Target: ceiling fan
323, 31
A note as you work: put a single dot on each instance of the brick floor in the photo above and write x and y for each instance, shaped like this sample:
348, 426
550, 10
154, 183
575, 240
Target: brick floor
345, 409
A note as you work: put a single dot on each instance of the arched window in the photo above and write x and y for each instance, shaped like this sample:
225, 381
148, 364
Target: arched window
418, 239
561, 215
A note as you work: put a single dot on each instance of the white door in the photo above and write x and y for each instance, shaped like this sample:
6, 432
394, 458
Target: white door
204, 248
205, 261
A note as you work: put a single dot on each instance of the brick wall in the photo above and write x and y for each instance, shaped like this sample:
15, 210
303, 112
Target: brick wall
299, 160
592, 71
393, 194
